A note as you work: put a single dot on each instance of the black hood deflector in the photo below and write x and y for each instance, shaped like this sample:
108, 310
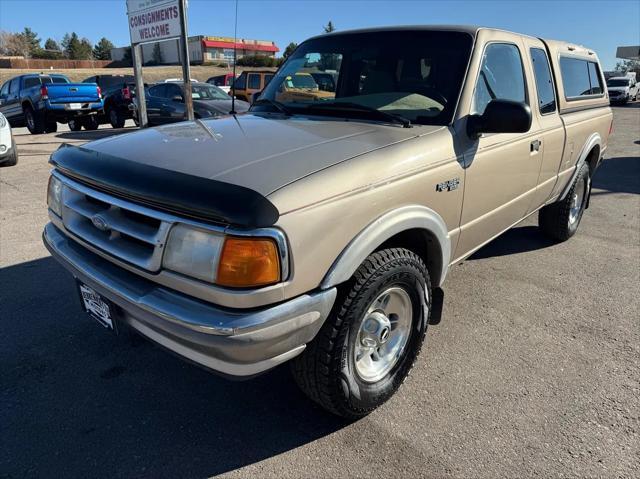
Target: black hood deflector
180, 193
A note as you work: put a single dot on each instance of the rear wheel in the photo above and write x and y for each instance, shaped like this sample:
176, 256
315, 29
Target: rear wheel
116, 118
560, 220
75, 124
367, 346
35, 122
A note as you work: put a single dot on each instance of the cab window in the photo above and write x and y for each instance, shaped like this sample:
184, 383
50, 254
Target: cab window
501, 76
158, 91
544, 83
30, 82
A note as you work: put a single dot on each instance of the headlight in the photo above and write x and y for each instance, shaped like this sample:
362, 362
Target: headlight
54, 195
193, 252
237, 262
3, 121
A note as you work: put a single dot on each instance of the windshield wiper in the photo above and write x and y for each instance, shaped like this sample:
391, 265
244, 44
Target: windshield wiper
279, 106
345, 106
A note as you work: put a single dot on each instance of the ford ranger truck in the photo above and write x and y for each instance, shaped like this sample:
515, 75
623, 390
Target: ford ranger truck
314, 231
42, 101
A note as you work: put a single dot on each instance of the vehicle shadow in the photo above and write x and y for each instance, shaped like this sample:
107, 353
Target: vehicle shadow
617, 175
516, 240
94, 134
78, 401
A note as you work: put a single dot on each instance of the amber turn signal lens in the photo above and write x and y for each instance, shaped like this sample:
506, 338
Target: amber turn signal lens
248, 262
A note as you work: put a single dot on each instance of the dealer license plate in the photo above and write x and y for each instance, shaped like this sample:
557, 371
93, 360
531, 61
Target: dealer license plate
96, 306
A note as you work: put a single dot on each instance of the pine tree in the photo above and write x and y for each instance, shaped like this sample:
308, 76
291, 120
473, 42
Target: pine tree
102, 50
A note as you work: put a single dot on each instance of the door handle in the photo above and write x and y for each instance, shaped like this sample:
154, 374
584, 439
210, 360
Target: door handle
535, 145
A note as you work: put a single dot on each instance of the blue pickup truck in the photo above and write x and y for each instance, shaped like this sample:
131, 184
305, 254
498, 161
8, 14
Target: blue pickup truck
40, 101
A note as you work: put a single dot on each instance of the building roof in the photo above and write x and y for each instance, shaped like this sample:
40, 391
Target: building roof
240, 46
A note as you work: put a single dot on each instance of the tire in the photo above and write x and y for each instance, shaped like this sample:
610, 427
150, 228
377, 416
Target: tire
90, 122
51, 126
35, 122
328, 370
560, 220
116, 118
75, 124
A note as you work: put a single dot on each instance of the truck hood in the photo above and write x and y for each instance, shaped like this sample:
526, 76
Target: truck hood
260, 152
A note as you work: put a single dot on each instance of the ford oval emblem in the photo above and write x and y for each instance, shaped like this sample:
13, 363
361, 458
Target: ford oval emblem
99, 222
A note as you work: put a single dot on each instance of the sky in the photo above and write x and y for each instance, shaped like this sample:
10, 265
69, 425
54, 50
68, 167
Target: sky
601, 26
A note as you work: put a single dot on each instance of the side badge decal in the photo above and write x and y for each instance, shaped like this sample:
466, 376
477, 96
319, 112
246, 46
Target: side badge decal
448, 185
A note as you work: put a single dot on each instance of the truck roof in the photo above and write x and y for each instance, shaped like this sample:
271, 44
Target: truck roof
470, 29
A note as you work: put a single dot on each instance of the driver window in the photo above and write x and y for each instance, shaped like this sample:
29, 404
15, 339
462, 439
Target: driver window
501, 76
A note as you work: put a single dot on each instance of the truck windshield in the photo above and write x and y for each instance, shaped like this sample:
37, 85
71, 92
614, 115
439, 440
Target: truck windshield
410, 74
618, 82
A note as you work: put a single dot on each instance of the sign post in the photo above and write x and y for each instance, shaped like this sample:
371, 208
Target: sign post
153, 21
186, 65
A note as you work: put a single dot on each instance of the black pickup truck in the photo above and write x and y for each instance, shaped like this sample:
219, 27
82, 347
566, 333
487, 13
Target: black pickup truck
118, 92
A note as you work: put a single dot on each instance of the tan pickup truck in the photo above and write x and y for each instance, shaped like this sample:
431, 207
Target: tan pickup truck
314, 230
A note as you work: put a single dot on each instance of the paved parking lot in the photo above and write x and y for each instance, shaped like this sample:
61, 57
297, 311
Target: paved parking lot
532, 370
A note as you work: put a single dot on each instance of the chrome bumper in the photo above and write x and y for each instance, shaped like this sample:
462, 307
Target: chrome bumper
233, 342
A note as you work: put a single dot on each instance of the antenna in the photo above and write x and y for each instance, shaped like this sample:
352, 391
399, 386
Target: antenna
235, 58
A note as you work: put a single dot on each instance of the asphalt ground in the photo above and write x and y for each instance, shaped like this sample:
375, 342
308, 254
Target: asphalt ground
532, 370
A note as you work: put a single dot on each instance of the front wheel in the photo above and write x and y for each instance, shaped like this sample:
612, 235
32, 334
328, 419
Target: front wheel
367, 346
560, 220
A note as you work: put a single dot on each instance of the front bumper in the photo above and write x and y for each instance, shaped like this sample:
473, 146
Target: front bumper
233, 342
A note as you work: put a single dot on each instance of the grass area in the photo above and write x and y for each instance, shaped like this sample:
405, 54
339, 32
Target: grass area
150, 74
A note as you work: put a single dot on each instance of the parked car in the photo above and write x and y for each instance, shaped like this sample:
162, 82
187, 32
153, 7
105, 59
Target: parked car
301, 87
315, 231
250, 83
40, 101
117, 93
223, 82
8, 150
165, 102
622, 89
173, 80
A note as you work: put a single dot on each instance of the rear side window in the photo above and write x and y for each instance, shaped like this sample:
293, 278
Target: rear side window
254, 81
580, 77
594, 78
501, 76
544, 83
30, 82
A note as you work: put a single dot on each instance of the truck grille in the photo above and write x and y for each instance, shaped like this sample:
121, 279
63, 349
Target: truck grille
131, 233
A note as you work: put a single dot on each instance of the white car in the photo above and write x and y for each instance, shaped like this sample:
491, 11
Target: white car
173, 80
8, 152
622, 89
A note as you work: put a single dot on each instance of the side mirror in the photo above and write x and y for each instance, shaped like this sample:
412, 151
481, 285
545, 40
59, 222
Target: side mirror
500, 116
177, 98
255, 96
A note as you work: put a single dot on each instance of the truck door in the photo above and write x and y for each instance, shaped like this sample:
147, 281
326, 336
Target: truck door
501, 168
544, 106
